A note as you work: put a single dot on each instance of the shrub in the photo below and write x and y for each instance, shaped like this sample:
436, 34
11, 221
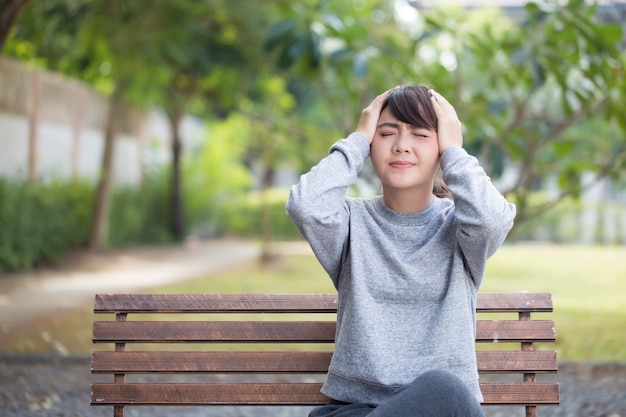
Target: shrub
141, 215
39, 221
242, 216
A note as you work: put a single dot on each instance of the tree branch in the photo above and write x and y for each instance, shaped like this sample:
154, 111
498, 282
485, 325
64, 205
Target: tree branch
9, 12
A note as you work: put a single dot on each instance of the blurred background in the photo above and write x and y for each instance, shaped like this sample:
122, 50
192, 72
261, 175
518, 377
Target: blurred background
139, 128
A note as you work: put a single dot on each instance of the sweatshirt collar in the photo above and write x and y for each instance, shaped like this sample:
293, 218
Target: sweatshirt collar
407, 218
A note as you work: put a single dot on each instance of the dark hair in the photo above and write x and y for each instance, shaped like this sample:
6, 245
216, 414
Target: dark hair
412, 104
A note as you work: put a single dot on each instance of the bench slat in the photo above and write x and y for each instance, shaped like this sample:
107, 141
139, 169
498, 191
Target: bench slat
217, 331
285, 394
287, 362
516, 301
287, 331
207, 394
286, 303
215, 303
516, 361
210, 362
535, 393
497, 331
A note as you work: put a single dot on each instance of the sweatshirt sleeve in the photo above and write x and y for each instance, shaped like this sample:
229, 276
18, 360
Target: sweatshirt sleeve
483, 216
317, 204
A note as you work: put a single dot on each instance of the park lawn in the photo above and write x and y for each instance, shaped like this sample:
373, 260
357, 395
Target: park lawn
588, 286
587, 282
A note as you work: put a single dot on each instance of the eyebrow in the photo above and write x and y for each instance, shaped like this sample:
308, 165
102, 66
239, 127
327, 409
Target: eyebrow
397, 126
389, 124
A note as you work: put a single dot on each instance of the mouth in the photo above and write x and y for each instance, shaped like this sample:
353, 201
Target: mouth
401, 164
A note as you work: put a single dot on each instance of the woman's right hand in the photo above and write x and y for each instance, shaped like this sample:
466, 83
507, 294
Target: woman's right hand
370, 115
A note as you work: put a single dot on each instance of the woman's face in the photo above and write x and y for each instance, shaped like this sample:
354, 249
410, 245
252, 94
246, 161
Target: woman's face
404, 157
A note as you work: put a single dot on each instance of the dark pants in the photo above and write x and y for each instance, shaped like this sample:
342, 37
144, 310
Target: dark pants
432, 394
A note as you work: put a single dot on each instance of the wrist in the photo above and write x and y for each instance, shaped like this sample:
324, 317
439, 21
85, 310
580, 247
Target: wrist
442, 150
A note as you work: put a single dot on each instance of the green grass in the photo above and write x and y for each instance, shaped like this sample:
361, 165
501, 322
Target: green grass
588, 285
288, 274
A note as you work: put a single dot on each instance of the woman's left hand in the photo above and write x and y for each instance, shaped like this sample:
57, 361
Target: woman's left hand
449, 130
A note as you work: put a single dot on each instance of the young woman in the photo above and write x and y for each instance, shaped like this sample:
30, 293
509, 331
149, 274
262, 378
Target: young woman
407, 265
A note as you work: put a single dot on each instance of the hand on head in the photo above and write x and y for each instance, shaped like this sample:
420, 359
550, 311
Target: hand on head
449, 129
448, 125
369, 116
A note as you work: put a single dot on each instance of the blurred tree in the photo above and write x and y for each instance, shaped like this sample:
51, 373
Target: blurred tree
196, 45
132, 54
271, 145
522, 90
215, 168
217, 64
186, 56
333, 45
64, 36
526, 92
335, 56
9, 12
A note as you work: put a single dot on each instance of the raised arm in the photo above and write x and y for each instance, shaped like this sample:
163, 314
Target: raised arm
483, 216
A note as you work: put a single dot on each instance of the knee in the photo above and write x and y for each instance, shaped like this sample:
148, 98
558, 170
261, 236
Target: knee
439, 376
443, 382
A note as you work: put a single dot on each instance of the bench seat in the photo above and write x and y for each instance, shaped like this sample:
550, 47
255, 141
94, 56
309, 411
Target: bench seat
252, 338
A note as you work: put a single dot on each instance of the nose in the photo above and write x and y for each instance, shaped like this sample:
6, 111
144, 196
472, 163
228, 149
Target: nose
401, 143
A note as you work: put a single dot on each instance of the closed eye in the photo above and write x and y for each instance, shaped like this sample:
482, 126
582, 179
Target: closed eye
421, 133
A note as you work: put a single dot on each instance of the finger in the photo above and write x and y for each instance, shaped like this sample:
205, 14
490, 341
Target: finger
438, 97
377, 103
436, 102
441, 104
383, 96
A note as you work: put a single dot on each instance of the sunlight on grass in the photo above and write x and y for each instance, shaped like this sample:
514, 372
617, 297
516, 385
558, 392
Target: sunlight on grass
289, 274
588, 286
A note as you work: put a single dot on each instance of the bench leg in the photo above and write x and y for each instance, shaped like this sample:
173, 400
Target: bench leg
531, 411
118, 411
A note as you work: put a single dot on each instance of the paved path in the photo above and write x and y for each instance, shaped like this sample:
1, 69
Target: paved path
27, 295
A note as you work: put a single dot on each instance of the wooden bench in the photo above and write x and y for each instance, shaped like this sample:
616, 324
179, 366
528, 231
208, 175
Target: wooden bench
291, 337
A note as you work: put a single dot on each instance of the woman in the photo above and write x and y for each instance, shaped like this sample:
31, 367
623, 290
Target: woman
408, 264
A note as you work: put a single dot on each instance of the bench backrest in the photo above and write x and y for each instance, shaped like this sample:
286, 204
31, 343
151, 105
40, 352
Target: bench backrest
290, 335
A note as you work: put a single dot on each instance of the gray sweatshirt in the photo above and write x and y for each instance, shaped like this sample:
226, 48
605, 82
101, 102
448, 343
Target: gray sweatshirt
406, 282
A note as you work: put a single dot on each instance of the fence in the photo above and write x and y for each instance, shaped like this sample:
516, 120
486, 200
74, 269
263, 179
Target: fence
52, 127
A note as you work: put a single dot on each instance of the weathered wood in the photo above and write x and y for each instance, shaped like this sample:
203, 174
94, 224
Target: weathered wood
514, 302
521, 364
286, 362
286, 303
207, 394
210, 362
516, 361
285, 394
214, 332
215, 303
496, 331
520, 393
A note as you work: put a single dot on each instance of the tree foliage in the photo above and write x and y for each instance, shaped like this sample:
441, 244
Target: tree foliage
9, 12
528, 91
184, 56
539, 97
540, 93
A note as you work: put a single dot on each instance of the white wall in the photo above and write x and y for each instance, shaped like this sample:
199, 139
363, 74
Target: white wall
13, 153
